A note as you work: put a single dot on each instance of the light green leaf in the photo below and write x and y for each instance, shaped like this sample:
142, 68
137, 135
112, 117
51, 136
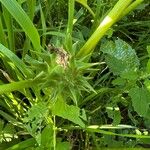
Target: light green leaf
21, 17
121, 58
23, 145
35, 116
70, 112
16, 62
140, 100
47, 136
63, 145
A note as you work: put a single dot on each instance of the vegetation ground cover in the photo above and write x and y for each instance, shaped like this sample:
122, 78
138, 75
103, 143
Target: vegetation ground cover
74, 74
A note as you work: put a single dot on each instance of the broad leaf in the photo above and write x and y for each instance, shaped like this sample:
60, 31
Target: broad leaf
70, 112
121, 58
34, 119
140, 100
47, 137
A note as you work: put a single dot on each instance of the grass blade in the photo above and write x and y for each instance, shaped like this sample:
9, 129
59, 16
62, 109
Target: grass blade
21, 17
16, 61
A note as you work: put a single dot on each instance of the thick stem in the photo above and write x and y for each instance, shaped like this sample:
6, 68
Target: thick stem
108, 21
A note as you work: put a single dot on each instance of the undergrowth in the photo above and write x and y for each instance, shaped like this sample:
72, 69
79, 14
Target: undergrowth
74, 74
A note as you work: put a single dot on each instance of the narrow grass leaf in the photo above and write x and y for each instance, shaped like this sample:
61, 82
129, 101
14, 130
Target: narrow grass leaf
21, 17
15, 60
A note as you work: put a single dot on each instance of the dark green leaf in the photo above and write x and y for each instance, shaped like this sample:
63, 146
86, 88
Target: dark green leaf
69, 112
140, 100
121, 58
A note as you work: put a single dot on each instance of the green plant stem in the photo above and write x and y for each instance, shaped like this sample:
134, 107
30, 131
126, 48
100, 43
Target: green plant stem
108, 21
54, 133
86, 6
71, 4
3, 36
16, 86
43, 21
31, 8
90, 10
10, 32
131, 7
102, 129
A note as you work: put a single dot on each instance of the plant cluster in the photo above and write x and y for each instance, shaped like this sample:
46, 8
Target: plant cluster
74, 74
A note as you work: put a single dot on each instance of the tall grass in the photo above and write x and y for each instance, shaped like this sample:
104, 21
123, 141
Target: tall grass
49, 95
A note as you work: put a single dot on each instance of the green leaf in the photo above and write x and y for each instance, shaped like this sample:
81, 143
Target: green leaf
35, 116
119, 81
121, 58
21, 17
24, 144
70, 112
63, 145
140, 100
4, 88
16, 62
47, 136
148, 63
11, 119
114, 113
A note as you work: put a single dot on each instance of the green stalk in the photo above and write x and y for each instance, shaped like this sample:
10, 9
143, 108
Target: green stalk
84, 3
43, 21
31, 9
90, 10
70, 25
16, 86
54, 133
3, 36
108, 21
10, 32
131, 7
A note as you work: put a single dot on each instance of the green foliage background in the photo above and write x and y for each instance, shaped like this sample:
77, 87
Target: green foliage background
74, 74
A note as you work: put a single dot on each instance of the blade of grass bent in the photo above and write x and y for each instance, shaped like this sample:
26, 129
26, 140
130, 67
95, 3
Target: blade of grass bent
21, 17
15, 60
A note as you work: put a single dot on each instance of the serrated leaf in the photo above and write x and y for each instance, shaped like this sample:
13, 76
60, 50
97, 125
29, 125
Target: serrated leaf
70, 112
114, 113
35, 117
117, 117
140, 100
121, 58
